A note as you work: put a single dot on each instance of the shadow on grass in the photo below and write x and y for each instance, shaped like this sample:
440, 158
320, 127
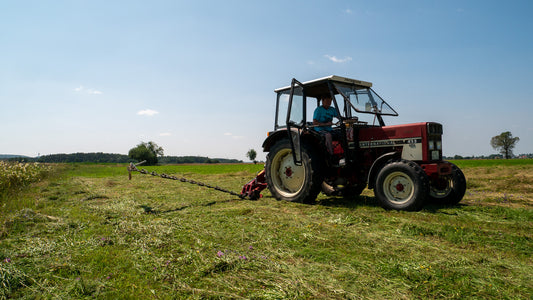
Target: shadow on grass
349, 202
329, 201
149, 210
439, 208
370, 201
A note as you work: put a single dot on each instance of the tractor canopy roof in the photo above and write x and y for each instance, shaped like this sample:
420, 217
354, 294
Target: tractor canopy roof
320, 86
349, 92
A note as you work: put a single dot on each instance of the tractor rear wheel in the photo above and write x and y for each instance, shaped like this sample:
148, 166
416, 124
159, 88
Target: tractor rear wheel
291, 182
402, 185
448, 190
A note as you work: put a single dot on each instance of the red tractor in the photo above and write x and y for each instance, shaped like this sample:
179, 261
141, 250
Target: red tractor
402, 163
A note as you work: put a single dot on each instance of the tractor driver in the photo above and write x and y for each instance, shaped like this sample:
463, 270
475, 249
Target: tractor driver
322, 119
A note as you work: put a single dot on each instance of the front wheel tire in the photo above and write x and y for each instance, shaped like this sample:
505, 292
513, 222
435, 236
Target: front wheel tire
402, 185
449, 190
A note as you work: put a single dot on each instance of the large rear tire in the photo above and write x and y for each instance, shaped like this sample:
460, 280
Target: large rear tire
288, 181
449, 190
402, 185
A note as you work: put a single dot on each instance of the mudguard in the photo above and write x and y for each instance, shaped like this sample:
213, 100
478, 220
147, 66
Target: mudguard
378, 164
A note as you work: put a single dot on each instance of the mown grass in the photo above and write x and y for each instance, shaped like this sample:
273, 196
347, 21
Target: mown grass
91, 233
509, 183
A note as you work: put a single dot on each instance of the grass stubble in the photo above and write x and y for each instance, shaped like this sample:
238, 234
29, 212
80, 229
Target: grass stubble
86, 231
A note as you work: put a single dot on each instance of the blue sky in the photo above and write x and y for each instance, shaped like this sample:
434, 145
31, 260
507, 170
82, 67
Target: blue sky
197, 77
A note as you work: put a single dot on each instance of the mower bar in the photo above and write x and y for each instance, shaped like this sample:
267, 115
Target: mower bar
253, 188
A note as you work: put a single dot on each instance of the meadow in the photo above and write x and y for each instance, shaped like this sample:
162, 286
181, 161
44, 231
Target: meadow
86, 231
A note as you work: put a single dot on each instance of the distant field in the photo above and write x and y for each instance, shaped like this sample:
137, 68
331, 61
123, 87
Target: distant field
492, 162
86, 231
105, 170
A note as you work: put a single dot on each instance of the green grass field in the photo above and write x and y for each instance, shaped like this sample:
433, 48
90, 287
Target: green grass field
86, 231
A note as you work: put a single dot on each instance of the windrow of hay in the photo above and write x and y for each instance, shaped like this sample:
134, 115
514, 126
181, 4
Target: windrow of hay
500, 185
14, 175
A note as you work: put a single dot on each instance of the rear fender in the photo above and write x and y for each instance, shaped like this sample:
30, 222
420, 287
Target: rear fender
378, 164
276, 136
272, 138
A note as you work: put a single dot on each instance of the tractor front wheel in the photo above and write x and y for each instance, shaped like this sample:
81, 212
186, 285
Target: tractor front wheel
401, 185
449, 190
289, 181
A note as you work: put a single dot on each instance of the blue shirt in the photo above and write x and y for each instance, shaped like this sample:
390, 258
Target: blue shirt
323, 115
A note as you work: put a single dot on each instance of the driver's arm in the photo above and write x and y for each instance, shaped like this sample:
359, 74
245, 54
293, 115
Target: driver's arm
316, 123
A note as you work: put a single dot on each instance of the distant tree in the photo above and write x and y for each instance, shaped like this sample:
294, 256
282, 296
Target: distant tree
146, 151
505, 142
252, 155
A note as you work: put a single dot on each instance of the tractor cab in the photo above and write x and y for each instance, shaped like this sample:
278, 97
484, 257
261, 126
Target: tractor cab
356, 103
354, 100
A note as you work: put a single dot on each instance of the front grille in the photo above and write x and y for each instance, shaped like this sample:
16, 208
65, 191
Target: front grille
434, 128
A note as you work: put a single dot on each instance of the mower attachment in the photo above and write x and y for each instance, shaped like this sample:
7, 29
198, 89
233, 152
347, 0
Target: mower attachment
252, 190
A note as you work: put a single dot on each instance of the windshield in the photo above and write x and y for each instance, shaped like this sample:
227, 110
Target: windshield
364, 100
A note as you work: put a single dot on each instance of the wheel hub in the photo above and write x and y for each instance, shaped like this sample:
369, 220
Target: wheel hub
441, 188
400, 187
288, 171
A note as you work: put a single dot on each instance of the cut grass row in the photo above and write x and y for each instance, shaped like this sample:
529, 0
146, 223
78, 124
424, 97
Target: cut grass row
91, 232
16, 175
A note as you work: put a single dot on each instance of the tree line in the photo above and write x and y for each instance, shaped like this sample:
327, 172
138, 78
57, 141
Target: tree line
100, 157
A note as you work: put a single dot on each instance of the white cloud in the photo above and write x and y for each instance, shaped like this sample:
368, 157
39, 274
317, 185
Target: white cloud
338, 60
82, 89
147, 112
93, 92
348, 11
165, 134
235, 137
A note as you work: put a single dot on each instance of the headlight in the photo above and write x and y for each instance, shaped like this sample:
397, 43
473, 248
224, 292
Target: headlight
435, 155
431, 145
439, 145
